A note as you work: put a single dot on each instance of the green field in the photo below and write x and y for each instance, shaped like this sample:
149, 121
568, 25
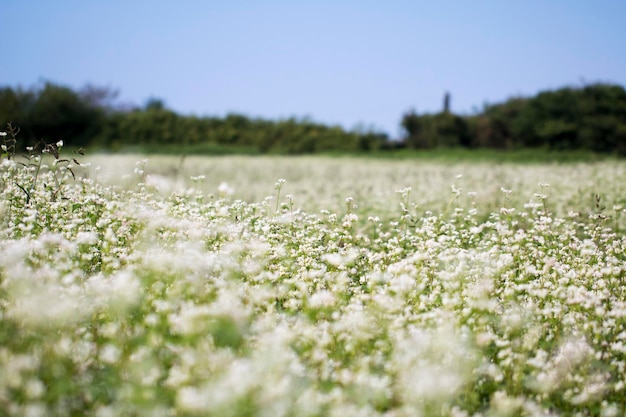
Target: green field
312, 286
443, 154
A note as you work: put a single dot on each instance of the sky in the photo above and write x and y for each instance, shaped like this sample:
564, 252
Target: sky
360, 64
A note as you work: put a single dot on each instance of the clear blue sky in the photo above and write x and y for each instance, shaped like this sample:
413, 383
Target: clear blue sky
344, 62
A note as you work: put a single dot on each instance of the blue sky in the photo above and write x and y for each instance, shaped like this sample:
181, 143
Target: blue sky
337, 62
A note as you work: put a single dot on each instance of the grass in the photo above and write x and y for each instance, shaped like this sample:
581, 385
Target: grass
535, 156
443, 155
311, 286
178, 149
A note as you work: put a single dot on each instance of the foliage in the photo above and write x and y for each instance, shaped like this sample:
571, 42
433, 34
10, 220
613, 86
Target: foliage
592, 117
438, 130
90, 118
588, 118
50, 108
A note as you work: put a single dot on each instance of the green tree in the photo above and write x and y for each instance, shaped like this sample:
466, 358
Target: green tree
59, 113
435, 130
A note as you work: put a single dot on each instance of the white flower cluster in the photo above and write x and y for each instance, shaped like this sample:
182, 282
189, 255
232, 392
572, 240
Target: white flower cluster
157, 298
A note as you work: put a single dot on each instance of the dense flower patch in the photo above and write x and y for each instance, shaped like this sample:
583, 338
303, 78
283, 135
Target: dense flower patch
159, 299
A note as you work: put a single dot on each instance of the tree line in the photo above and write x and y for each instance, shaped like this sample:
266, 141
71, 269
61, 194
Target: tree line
90, 117
590, 117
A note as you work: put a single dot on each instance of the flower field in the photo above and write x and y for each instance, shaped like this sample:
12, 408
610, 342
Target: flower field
311, 286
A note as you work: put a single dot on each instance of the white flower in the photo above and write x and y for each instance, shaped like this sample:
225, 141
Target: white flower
225, 190
110, 354
279, 183
86, 238
322, 299
35, 388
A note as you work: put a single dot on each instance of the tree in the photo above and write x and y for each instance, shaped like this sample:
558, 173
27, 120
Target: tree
155, 104
99, 97
413, 126
438, 130
59, 113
